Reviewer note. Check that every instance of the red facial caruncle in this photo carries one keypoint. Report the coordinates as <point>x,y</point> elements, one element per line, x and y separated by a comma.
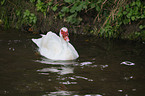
<point>65,35</point>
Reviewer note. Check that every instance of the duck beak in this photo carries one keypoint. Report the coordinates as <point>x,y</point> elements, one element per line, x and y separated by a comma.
<point>66,38</point>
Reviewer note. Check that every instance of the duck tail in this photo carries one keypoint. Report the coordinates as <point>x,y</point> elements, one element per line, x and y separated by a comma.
<point>37,41</point>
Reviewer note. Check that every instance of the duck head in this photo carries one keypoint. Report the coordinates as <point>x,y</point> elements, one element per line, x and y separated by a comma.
<point>64,33</point>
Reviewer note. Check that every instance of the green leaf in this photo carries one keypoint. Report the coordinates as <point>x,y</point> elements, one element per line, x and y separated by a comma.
<point>32,14</point>
<point>98,8</point>
<point>138,3</point>
<point>38,1</point>
<point>18,12</point>
<point>65,9</point>
<point>142,16</point>
<point>129,15</point>
<point>87,2</point>
<point>141,27</point>
<point>92,5</point>
<point>124,12</point>
<point>126,21</point>
<point>79,8</point>
<point>54,8</point>
<point>49,3</point>
<point>72,10</point>
<point>61,15</point>
<point>127,6</point>
<point>72,18</point>
<point>26,13</point>
<point>99,1</point>
<point>84,5</point>
<point>32,1</point>
<point>34,19</point>
<point>69,1</point>
<point>133,18</point>
<point>2,2</point>
<point>119,14</point>
<point>133,3</point>
<point>44,13</point>
<point>138,17</point>
<point>31,18</point>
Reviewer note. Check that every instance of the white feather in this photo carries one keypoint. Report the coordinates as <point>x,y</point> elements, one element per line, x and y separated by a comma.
<point>54,47</point>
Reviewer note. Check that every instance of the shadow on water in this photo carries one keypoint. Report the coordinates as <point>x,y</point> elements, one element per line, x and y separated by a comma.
<point>104,68</point>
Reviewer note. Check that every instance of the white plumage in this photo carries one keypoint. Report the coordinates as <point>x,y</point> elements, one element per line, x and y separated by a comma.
<point>56,48</point>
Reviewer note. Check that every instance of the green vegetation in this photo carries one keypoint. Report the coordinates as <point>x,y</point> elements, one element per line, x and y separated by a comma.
<point>104,18</point>
<point>29,18</point>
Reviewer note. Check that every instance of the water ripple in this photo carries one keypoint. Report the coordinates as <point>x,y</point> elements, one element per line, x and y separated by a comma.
<point>128,63</point>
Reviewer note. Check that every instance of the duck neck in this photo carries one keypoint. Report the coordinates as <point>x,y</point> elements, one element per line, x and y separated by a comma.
<point>64,43</point>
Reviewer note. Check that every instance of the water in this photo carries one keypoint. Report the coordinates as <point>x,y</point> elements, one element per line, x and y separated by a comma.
<point>104,68</point>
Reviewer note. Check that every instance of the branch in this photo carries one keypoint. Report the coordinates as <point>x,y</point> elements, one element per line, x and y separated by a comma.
<point>99,12</point>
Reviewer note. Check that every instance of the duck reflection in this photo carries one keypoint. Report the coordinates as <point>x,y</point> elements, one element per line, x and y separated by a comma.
<point>58,62</point>
<point>60,93</point>
<point>64,67</point>
<point>60,70</point>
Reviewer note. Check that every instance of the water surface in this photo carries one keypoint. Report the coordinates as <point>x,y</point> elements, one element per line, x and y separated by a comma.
<point>104,68</point>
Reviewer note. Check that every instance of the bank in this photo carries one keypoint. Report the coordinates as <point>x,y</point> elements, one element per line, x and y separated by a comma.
<point>122,19</point>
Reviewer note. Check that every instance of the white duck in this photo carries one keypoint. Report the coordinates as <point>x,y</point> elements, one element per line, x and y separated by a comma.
<point>54,47</point>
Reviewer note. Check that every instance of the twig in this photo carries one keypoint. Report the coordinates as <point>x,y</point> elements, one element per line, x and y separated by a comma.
<point>12,3</point>
<point>99,12</point>
<point>112,13</point>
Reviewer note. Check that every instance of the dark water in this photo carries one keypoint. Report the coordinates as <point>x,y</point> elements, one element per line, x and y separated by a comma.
<point>104,68</point>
